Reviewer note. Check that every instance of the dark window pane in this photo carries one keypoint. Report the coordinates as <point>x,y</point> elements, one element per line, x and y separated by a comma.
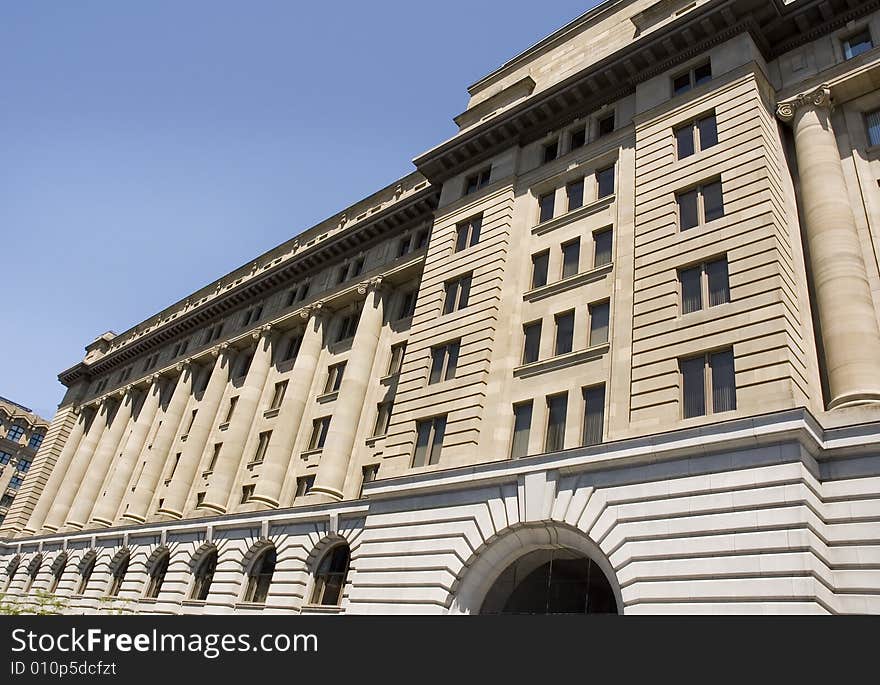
<point>873,120</point>
<point>606,126</point>
<point>476,224</point>
<point>603,240</point>
<point>605,181</point>
<point>550,151</point>
<point>532,342</point>
<point>687,210</point>
<point>546,202</point>
<point>723,381</point>
<point>451,297</point>
<point>571,255</point>
<point>691,290</point>
<point>452,359</point>
<point>702,74</point>
<point>681,84</point>
<point>712,202</point>
<point>461,238</point>
<point>464,291</point>
<point>575,193</point>
<point>438,355</point>
<point>578,138</point>
<point>693,387</point>
<point>522,422</point>
<point>708,132</point>
<point>599,314</point>
<point>684,138</point>
<point>857,44</point>
<point>540,265</point>
<point>594,415</point>
<point>719,285</point>
<point>437,442</point>
<point>556,412</point>
<point>564,332</point>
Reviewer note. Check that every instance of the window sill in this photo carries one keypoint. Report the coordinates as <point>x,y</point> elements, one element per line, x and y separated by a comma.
<point>327,397</point>
<point>249,605</point>
<point>184,437</point>
<point>223,426</point>
<point>193,602</point>
<point>340,345</point>
<point>321,609</point>
<point>573,215</point>
<point>568,283</point>
<point>253,464</point>
<point>271,413</point>
<point>207,474</point>
<point>311,453</point>
<point>560,362</point>
<point>373,439</point>
<point>389,379</point>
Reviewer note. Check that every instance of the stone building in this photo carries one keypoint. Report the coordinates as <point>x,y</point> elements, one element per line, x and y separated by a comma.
<point>21,434</point>
<point>614,346</point>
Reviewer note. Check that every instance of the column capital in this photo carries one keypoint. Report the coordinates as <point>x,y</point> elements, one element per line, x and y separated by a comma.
<point>315,309</point>
<point>265,330</point>
<point>223,349</point>
<point>378,284</point>
<point>183,365</point>
<point>818,97</point>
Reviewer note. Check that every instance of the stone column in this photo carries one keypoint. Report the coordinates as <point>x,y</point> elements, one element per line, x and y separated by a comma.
<point>287,425</point>
<point>100,462</point>
<point>847,318</point>
<point>236,435</point>
<point>56,478</point>
<point>336,455</point>
<point>106,509</point>
<point>156,454</point>
<point>78,465</point>
<point>185,473</point>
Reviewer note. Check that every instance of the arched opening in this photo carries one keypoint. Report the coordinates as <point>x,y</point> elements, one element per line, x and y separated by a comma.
<point>57,572</point>
<point>551,581</point>
<point>157,575</point>
<point>260,576</point>
<point>33,572</point>
<point>330,576</point>
<point>11,568</point>
<point>120,568</point>
<point>204,575</point>
<point>85,572</point>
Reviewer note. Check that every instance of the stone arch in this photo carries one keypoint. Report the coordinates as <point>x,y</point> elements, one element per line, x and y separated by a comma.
<point>120,557</point>
<point>254,552</point>
<point>320,555</point>
<point>88,557</point>
<point>11,570</point>
<point>199,555</point>
<point>503,549</point>
<point>154,556</point>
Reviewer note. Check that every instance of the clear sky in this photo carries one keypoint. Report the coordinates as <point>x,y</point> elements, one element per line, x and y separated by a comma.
<point>150,147</point>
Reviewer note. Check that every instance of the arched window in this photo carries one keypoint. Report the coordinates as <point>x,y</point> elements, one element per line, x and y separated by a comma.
<point>204,575</point>
<point>157,576</point>
<point>260,577</point>
<point>33,572</point>
<point>85,574</point>
<point>57,572</point>
<point>11,568</point>
<point>330,576</point>
<point>118,575</point>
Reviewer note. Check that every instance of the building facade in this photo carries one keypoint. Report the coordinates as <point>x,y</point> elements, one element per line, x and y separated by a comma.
<point>21,434</point>
<point>614,347</point>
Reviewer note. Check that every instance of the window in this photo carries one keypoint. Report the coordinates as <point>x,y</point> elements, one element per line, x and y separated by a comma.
<point>571,257</point>
<point>260,577</point>
<point>6,500</point>
<point>85,573</point>
<point>5,457</point>
<point>157,576</point>
<point>200,499</point>
<point>319,433</point>
<point>330,576</point>
<point>557,407</point>
<point>213,332</point>
<point>292,349</point>
<point>299,293</point>
<point>422,238</point>
<point>383,418</point>
<point>429,440</point>
<point>204,575</point>
<point>546,206</point>
<point>14,433</point>
<point>575,193</point>
<point>692,78</point>
<point>457,293</point>
<point>304,485</point>
<point>252,315</point>
<point>857,43</point>
<point>474,182</point>
<point>57,573</point>
<point>708,384</point>
<point>444,360</point>
<point>578,138</point>
<point>350,270</point>
<point>467,233</point>
<point>564,332</point>
<point>150,362</point>
<point>605,182</point>
<point>606,125</point>
<point>594,415</point>
<point>245,364</point>
<point>369,474</point>
<point>118,575</point>
<point>192,420</point>
<point>180,348</point>
<point>700,134</point>
<point>522,423</point>
<point>215,455</point>
<point>36,440</point>
<point>873,123</point>
<point>407,304</point>
<point>550,151</point>
<point>396,362</point>
<point>23,465</point>
<point>278,395</point>
<point>247,492</point>
<point>540,267</point>
<point>602,241</point>
<point>599,313</point>
<point>231,410</point>
<point>706,282</point>
<point>347,327</point>
<point>174,466</point>
<point>404,246</point>
<point>703,202</point>
<point>262,445</point>
<point>15,482</point>
<point>531,342</point>
<point>334,377</point>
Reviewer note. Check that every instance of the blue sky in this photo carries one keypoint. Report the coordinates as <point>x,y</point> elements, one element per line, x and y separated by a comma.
<point>149,148</point>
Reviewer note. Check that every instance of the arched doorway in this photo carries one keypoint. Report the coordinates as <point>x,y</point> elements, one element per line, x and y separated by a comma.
<point>551,581</point>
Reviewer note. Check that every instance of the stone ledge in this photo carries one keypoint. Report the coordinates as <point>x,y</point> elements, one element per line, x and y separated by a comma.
<point>573,215</point>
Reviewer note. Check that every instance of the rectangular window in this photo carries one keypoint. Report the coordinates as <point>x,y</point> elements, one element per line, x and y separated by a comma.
<point>578,138</point>
<point>476,181</point>
<point>606,125</point>
<point>571,258</point>
<point>232,402</point>
<point>707,131</point>
<point>36,440</point>
<point>444,360</point>
<point>407,305</point>
<point>700,205</point>
<point>691,289</point>
<point>23,465</point>
<point>692,78</point>
<point>700,134</point>
<point>557,408</point>
<point>370,473</point>
<point>245,364</point>
<point>247,492</point>
<point>599,314</point>
<point>708,384</point>
<point>564,332</point>
<point>396,358</point>
<point>215,455</point>
<point>262,445</point>
<point>605,182</point>
<point>383,418</point>
<point>174,465</point>
<point>15,482</point>
<point>531,342</point>
<point>292,349</point>
<point>5,457</point>
<point>857,43</point>
<point>192,420</point>
<point>718,282</point>
<point>575,193</point>
<point>278,395</point>
<point>347,327</point>
<point>707,282</point>
<point>429,440</point>
<point>457,294</point>
<point>546,206</point>
<point>404,245</point>
<point>872,120</point>
<point>550,150</point>
<point>319,433</point>
<point>594,415</point>
<point>602,241</point>
<point>540,267</point>
<point>684,141</point>
<point>467,233</point>
<point>522,424</point>
<point>334,377</point>
<point>357,268</point>
<point>713,204</point>
<point>304,484</point>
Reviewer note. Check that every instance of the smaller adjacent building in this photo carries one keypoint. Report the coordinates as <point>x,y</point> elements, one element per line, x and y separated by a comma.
<point>21,434</point>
